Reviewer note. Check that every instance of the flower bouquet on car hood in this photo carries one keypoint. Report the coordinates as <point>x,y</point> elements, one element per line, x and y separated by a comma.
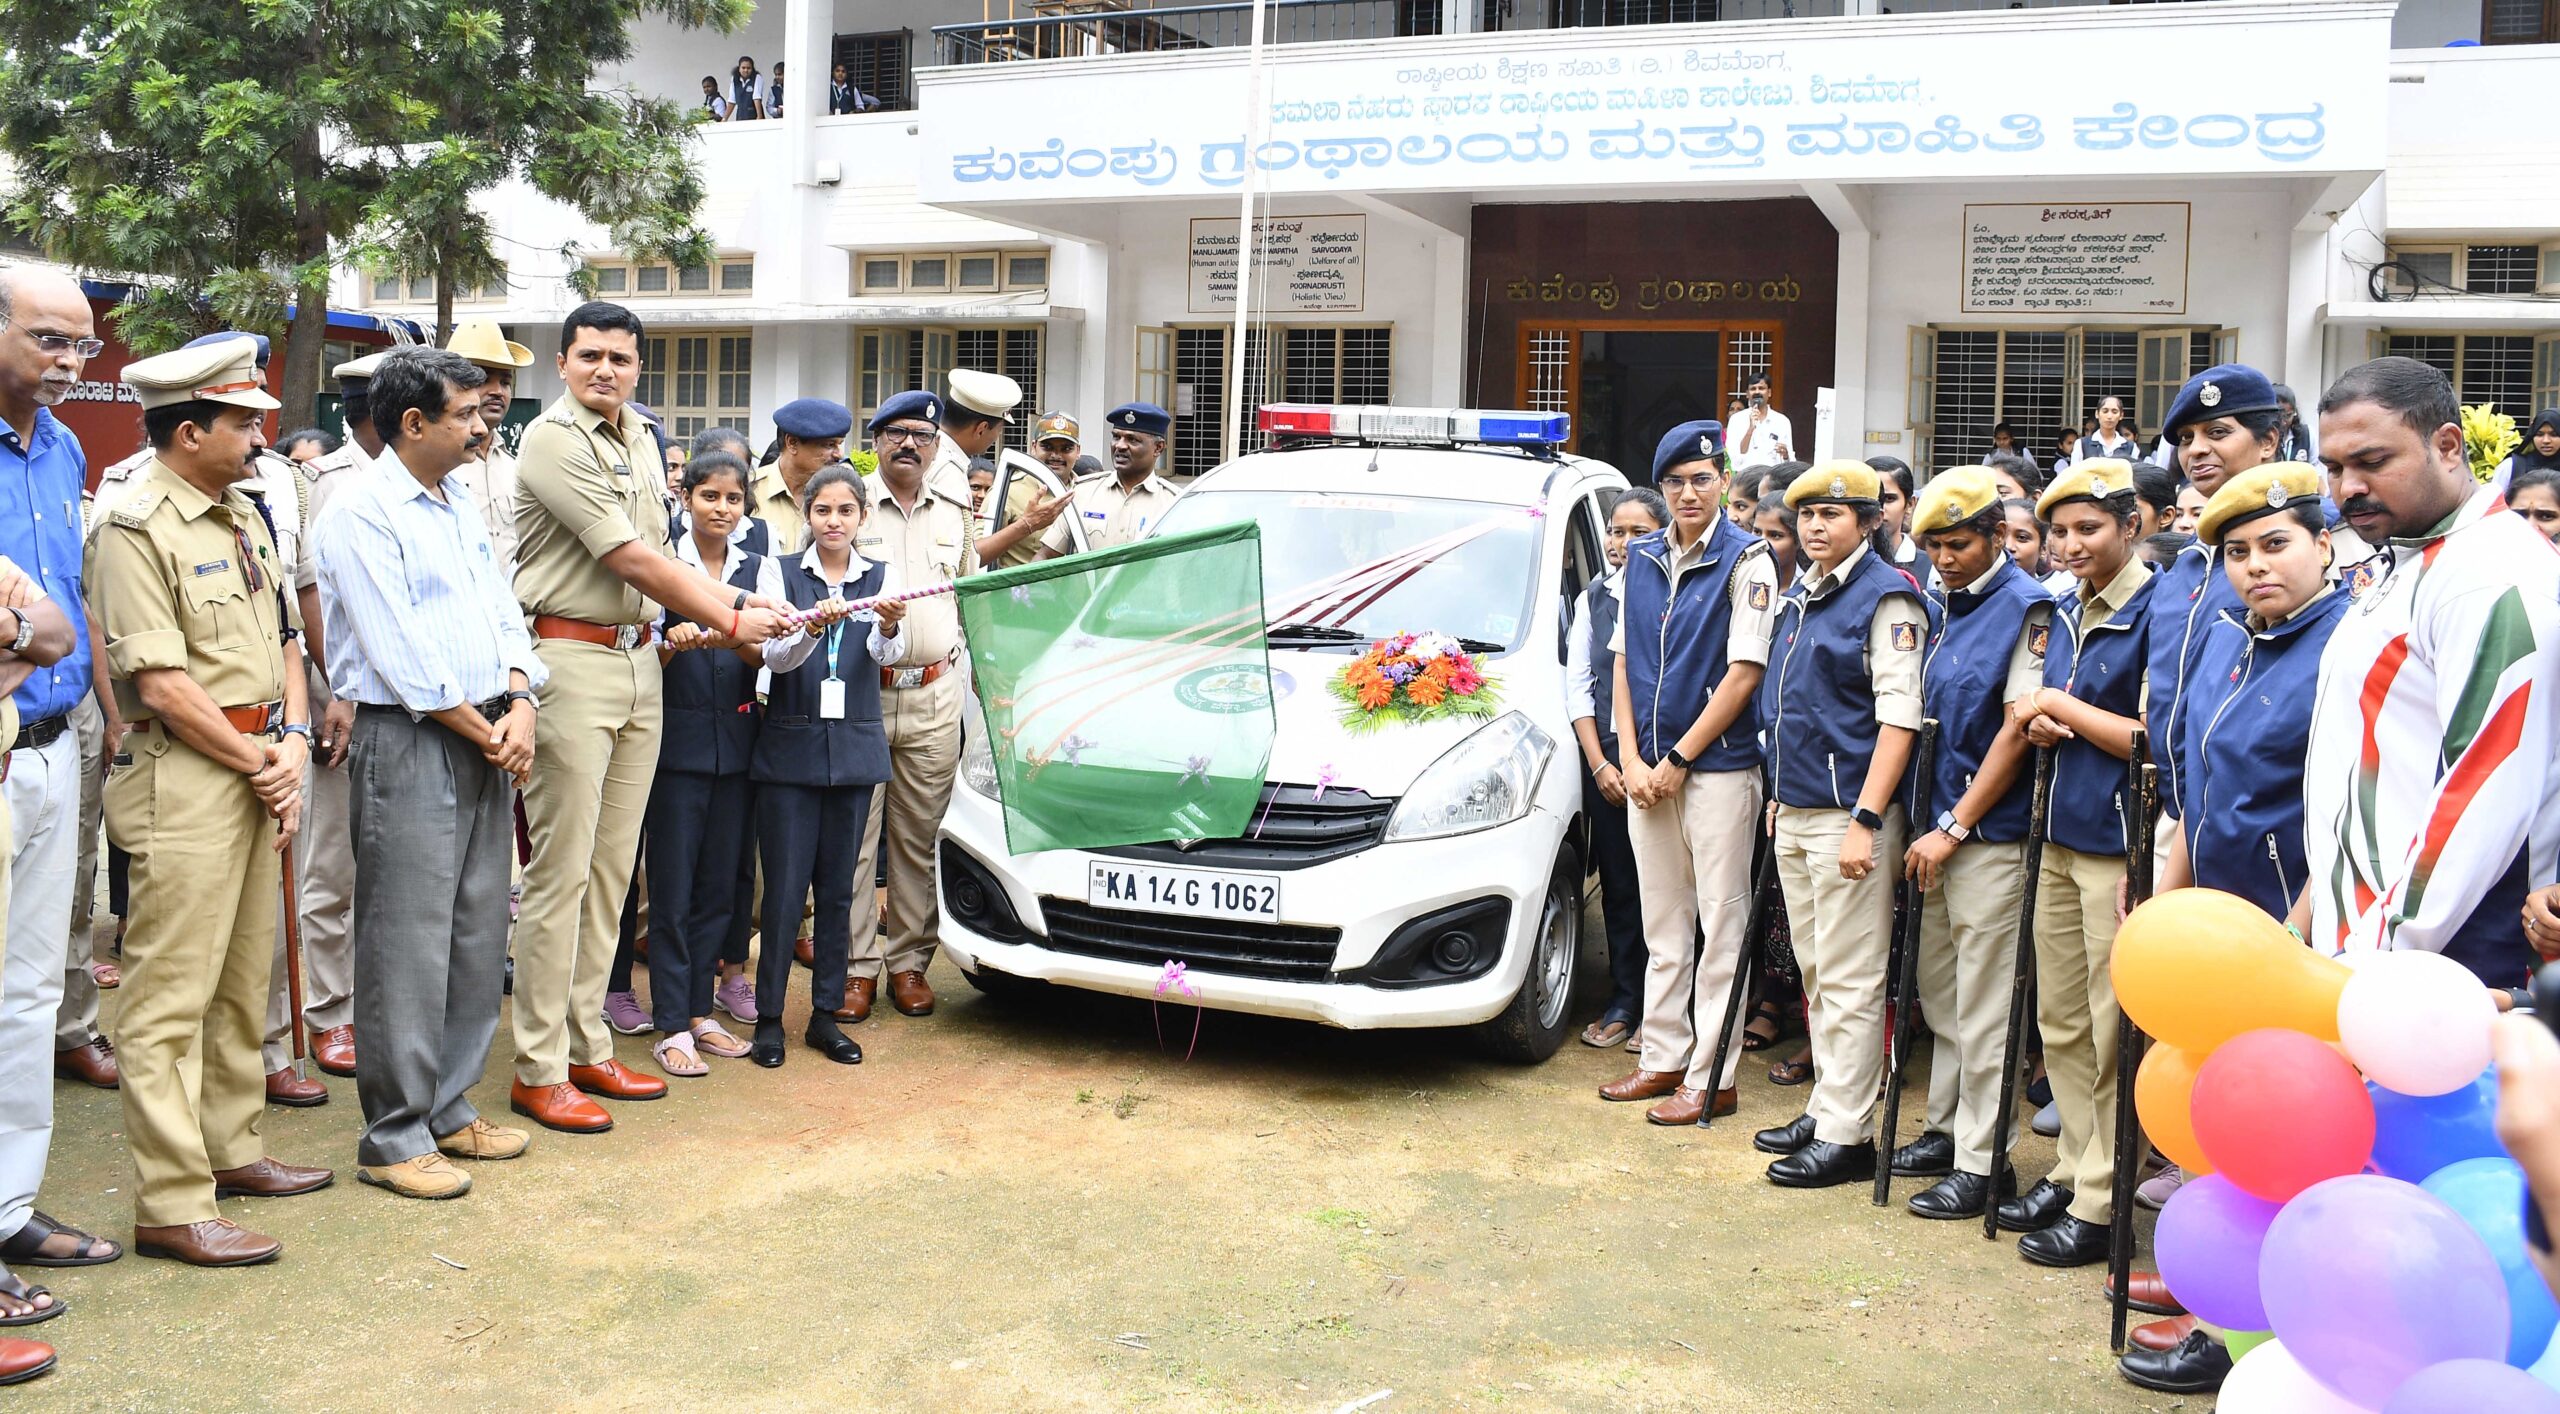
<point>1410,677</point>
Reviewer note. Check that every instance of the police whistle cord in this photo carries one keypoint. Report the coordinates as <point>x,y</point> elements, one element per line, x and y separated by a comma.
<point>1903,999</point>
<point>2022,991</point>
<point>2143,780</point>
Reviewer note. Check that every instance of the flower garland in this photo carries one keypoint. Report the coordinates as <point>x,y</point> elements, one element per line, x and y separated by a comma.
<point>1412,678</point>
<point>2488,435</point>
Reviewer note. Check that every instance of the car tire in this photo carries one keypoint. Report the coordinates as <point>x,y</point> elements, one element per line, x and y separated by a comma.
<point>1004,986</point>
<point>1531,1028</point>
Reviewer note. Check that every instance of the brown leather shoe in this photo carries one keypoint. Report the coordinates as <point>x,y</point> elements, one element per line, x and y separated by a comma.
<point>1687,1103</point>
<point>1643,1085</point>
<point>92,1064</point>
<point>616,1081</point>
<point>286,1087</point>
<point>335,1050</point>
<point>558,1107</point>
<point>2161,1335</point>
<point>218,1243</point>
<point>2146,1293</point>
<point>269,1179</point>
<point>23,1360</point>
<point>804,951</point>
<point>909,994</point>
<point>859,994</point>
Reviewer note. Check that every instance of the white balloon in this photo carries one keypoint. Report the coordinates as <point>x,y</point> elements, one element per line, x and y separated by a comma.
<point>2416,1022</point>
<point>2268,1380</point>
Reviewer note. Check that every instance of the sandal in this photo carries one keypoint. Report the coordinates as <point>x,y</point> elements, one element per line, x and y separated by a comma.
<point>15,1288</point>
<point>1792,1072</point>
<point>1607,1031</point>
<point>715,1038</point>
<point>676,1057</point>
<point>1754,1039</point>
<point>107,975</point>
<point>25,1247</point>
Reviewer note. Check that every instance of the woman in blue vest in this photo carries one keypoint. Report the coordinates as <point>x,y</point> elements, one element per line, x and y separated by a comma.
<point>1699,600</point>
<point>1590,677</point>
<point>1971,863</point>
<point>817,758</point>
<point>1843,700</point>
<point>2086,712</point>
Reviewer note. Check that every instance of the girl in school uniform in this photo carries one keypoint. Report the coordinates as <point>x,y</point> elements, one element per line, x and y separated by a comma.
<point>1590,679</point>
<point>817,758</point>
<point>2086,712</point>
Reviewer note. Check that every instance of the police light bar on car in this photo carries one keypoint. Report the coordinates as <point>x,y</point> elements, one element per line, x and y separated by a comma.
<point>1420,427</point>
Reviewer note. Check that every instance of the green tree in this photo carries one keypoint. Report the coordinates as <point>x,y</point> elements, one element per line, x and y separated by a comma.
<point>229,155</point>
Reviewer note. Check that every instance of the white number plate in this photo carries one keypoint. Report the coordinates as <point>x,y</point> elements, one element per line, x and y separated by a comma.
<point>1252,898</point>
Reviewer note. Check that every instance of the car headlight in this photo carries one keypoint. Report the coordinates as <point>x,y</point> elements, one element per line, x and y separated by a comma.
<point>1486,780</point>
<point>978,764</point>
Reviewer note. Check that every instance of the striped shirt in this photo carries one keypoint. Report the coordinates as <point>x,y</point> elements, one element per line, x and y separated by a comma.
<point>418,607</point>
<point>2430,786</point>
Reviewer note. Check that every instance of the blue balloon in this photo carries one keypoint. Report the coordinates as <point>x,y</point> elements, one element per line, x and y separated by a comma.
<point>2488,1195</point>
<point>2547,1369</point>
<point>2416,1135</point>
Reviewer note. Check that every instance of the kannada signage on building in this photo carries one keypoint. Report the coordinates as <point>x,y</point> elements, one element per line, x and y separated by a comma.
<point>2118,257</point>
<point>1301,264</point>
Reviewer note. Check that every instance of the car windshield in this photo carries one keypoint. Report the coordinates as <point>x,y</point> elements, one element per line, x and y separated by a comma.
<point>1361,567</point>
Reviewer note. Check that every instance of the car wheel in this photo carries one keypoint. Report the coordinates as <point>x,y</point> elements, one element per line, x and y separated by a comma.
<point>1533,1026</point>
<point>1004,986</point>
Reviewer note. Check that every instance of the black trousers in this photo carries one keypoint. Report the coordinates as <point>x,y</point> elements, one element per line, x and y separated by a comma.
<point>742,910</point>
<point>697,825</point>
<point>810,838</point>
<point>1621,911</point>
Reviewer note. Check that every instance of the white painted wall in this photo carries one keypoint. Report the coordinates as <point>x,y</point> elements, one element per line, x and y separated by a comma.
<point>2472,150</point>
<point>2426,24</point>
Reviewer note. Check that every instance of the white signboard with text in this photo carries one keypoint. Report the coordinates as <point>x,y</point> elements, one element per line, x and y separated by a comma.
<point>1302,264</point>
<point>2089,257</point>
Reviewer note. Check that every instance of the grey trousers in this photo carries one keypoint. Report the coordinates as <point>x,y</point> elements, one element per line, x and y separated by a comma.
<point>434,838</point>
<point>75,1021</point>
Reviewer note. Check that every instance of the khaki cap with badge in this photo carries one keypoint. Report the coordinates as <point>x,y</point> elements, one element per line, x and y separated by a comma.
<point>1056,427</point>
<point>359,370</point>
<point>2099,479</point>
<point>224,372</point>
<point>1845,483</point>
<point>1953,497</point>
<point>484,343</point>
<point>2259,491</point>
<point>991,394</point>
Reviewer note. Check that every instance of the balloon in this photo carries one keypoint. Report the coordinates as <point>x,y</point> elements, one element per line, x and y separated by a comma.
<point>2369,1280</point>
<point>2473,1387</point>
<point>2278,1112</point>
<point>2240,1343</point>
<point>2162,1092</point>
<point>2547,1369</point>
<point>2196,967</point>
<point>2413,1136</point>
<point>2207,1246</point>
<point>2271,1381</point>
<point>2488,1194</point>
<point>2416,1022</point>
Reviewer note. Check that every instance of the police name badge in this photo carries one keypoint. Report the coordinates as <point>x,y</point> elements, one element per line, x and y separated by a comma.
<point>212,567</point>
<point>831,699</point>
<point>1906,638</point>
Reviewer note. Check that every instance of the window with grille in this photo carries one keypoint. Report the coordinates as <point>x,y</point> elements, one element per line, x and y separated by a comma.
<point>400,287</point>
<point>2502,269</point>
<point>876,64</point>
<point>1575,13</point>
<point>1317,365</point>
<point>2041,380</point>
<point>889,361</point>
<point>2519,21</point>
<point>1746,356</point>
<point>733,275</point>
<point>1548,384</point>
<point>1015,353</point>
<point>2485,368</point>
<point>694,381</point>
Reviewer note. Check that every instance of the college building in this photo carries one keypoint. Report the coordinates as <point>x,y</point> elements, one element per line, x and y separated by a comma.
<point>1917,218</point>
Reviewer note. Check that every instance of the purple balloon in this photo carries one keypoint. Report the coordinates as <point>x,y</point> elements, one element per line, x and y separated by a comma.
<point>2368,1280</point>
<point>2415,1135</point>
<point>2207,1244</point>
<point>2473,1387</point>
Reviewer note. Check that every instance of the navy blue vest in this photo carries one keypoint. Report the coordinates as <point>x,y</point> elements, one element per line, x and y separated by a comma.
<point>1676,640</point>
<point>2089,810</point>
<point>1821,695</point>
<point>1600,620</point>
<point>797,746</point>
<point>1967,673</point>
<point>2193,592</point>
<point>711,699</point>
<point>2240,748</point>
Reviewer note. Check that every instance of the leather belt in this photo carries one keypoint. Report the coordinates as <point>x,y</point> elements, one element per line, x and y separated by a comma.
<point>620,636</point>
<point>915,677</point>
<point>41,734</point>
<point>260,720</point>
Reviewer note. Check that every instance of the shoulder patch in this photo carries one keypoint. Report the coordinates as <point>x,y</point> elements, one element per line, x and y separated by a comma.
<point>2038,635</point>
<point>1906,638</point>
<point>1759,596</point>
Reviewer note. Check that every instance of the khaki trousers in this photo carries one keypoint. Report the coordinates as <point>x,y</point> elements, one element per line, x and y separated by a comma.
<point>595,753</point>
<point>1968,965</point>
<point>2076,1010</point>
<point>197,950</point>
<point>1693,875</point>
<point>324,870</point>
<point>923,724</point>
<point>1843,934</point>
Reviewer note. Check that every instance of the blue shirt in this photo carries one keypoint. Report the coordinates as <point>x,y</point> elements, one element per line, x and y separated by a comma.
<point>40,488</point>
<point>418,609</point>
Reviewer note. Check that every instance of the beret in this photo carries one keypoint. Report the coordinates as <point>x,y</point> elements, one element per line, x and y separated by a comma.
<point>914,403</point>
<point>2097,479</point>
<point>812,419</point>
<point>1953,497</point>
<point>1837,483</point>
<point>1702,440</point>
<point>2219,391</point>
<point>2259,491</point>
<point>1142,417</point>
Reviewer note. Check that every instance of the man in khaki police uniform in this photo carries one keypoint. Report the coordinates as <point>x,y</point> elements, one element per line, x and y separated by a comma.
<point>593,565</point>
<point>1034,498</point>
<point>812,432</point>
<point>925,534</point>
<point>1119,507</point>
<point>492,478</point>
<point>184,576</point>
<point>974,418</point>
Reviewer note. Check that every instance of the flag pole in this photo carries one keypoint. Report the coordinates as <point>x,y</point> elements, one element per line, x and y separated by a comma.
<point>1256,116</point>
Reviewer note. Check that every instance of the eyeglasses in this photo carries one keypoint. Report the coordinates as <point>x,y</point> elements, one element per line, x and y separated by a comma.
<point>912,436</point>
<point>1674,485</point>
<point>64,343</point>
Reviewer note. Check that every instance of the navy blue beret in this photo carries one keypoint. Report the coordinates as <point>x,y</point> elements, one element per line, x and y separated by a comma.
<point>914,403</point>
<point>812,419</point>
<point>1142,417</point>
<point>1702,440</point>
<point>2219,391</point>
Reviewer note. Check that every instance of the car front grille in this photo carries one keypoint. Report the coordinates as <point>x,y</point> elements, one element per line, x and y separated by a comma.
<point>1278,951</point>
<point>1291,829</point>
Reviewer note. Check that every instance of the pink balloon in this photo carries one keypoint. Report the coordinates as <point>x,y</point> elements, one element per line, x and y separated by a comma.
<point>2271,1381</point>
<point>2278,1111</point>
<point>2416,1022</point>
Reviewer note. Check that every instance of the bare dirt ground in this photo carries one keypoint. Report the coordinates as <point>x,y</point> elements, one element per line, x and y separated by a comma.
<point>1044,1210</point>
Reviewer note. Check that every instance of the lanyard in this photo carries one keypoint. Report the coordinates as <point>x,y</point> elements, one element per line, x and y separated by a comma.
<point>835,637</point>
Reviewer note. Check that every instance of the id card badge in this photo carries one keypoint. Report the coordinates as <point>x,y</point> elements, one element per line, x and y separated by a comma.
<point>831,699</point>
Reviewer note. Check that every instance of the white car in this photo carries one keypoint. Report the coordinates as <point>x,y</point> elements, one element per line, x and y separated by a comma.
<point>1424,875</point>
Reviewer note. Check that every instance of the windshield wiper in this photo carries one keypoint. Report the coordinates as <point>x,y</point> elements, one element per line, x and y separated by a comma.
<point>1478,645</point>
<point>1319,633</point>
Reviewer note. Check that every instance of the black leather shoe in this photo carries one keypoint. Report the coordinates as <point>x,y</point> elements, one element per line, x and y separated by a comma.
<point>767,1050</point>
<point>1925,1157</point>
<point>1787,1139</point>
<point>1958,1195</point>
<point>826,1040</point>
<point>2195,1365</point>
<point>1823,1165</point>
<point>2068,1243</point>
<point>2037,1209</point>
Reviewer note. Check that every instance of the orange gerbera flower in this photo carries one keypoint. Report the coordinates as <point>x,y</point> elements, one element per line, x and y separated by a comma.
<point>1426,691</point>
<point>1375,692</point>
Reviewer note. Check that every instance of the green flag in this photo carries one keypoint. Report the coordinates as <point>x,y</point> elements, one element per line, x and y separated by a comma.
<point>1126,692</point>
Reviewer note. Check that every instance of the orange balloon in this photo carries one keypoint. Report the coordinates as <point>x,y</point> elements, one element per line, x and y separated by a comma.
<point>2161,1090</point>
<point>2196,967</point>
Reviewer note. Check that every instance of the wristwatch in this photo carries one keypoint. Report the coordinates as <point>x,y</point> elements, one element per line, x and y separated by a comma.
<point>300,729</point>
<point>1947,826</point>
<point>517,694</point>
<point>1867,817</point>
<point>739,603</point>
<point>1672,755</point>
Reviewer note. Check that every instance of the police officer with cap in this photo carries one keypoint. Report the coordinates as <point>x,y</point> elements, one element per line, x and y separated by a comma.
<point>492,478</point>
<point>200,642</point>
<point>974,418</point>
<point>1119,507</point>
<point>1032,497</point>
<point>813,432</point>
<point>1055,439</point>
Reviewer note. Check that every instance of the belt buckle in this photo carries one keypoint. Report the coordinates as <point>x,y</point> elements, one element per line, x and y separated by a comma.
<point>626,636</point>
<point>274,720</point>
<point>906,677</point>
